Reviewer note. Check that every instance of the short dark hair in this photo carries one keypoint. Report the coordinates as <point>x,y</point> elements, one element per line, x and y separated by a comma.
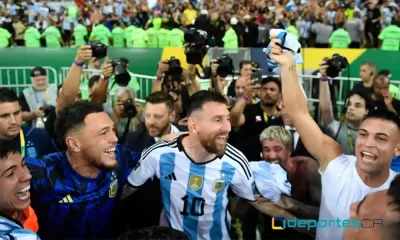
<point>198,99</point>
<point>93,80</point>
<point>362,94</point>
<point>277,81</point>
<point>161,97</point>
<point>154,233</point>
<point>244,62</point>
<point>73,116</point>
<point>7,148</point>
<point>384,115</point>
<point>7,95</point>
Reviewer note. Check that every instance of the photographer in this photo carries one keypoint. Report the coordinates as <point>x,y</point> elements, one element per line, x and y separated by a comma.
<point>36,98</point>
<point>127,113</point>
<point>180,85</point>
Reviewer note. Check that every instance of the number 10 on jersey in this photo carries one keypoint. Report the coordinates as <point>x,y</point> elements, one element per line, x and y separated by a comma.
<point>197,206</point>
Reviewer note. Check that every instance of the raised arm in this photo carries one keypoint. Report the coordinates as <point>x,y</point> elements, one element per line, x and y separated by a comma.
<point>321,147</point>
<point>325,103</point>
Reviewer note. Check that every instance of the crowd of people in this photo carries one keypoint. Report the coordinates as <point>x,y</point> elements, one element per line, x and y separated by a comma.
<point>161,23</point>
<point>185,166</point>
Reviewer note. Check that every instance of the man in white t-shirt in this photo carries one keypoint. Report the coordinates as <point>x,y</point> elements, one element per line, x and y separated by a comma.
<point>345,179</point>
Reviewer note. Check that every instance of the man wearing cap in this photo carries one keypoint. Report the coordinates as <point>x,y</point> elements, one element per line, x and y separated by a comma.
<point>37,98</point>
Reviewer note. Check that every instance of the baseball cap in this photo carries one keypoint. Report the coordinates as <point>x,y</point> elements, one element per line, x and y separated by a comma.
<point>38,71</point>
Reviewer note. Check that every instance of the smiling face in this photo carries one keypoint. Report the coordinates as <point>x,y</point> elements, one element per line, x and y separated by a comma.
<point>377,142</point>
<point>212,126</point>
<point>14,184</point>
<point>96,141</point>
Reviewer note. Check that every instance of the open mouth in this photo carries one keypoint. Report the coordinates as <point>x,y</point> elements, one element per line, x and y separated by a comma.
<point>24,194</point>
<point>221,139</point>
<point>110,152</point>
<point>368,157</point>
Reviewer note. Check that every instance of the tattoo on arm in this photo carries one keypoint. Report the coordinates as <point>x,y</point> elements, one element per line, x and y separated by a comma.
<point>304,211</point>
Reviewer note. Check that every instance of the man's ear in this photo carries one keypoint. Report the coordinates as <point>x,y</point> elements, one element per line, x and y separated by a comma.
<point>73,144</point>
<point>397,151</point>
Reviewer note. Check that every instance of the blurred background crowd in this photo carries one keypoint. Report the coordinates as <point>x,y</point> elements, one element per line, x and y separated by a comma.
<point>358,23</point>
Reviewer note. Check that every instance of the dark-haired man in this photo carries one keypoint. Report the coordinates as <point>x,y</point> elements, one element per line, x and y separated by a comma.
<point>196,171</point>
<point>383,99</point>
<point>32,142</point>
<point>159,116</point>
<point>345,179</point>
<point>382,208</point>
<point>74,193</point>
<point>358,104</point>
<point>17,219</point>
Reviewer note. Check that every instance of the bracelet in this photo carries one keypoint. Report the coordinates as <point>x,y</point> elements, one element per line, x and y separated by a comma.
<point>324,79</point>
<point>245,98</point>
<point>102,76</point>
<point>78,63</point>
<point>159,78</point>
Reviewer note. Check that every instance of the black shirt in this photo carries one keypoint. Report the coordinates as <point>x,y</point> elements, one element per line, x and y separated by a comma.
<point>380,105</point>
<point>249,142</point>
<point>361,87</point>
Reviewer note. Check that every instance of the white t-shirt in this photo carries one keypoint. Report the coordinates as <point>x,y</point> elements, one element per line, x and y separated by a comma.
<point>342,186</point>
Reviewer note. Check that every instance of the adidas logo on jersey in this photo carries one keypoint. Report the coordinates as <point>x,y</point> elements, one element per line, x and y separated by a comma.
<point>66,199</point>
<point>171,176</point>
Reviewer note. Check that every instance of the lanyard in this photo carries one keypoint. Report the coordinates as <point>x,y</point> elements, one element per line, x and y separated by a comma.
<point>266,116</point>
<point>22,141</point>
<point>350,140</point>
<point>47,97</point>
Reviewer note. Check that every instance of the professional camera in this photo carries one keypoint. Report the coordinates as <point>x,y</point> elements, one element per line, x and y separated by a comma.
<point>225,66</point>
<point>335,65</point>
<point>129,109</point>
<point>122,76</point>
<point>99,50</point>
<point>47,109</point>
<point>195,45</point>
<point>175,68</point>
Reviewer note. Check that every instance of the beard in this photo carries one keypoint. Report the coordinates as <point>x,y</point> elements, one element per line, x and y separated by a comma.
<point>157,131</point>
<point>100,161</point>
<point>210,145</point>
<point>269,102</point>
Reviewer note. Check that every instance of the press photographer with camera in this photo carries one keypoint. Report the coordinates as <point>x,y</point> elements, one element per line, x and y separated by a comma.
<point>179,83</point>
<point>357,107</point>
<point>37,99</point>
<point>127,115</point>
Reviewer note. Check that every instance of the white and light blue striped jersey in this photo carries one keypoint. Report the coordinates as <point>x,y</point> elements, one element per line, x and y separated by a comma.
<point>195,195</point>
<point>10,230</point>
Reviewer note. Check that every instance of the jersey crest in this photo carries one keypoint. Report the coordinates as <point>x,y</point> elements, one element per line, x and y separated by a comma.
<point>195,182</point>
<point>112,191</point>
<point>218,185</point>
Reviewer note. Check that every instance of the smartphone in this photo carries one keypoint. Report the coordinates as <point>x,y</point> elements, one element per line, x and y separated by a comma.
<point>256,73</point>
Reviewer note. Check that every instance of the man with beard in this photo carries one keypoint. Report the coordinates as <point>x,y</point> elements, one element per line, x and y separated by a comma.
<point>146,202</point>
<point>252,120</point>
<point>74,193</point>
<point>197,169</point>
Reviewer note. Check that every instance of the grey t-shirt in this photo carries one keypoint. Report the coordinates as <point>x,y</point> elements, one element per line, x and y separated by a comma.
<point>344,135</point>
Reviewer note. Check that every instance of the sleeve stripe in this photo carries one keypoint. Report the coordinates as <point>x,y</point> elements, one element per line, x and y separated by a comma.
<point>158,145</point>
<point>243,157</point>
<point>240,163</point>
<point>154,146</point>
<point>237,157</point>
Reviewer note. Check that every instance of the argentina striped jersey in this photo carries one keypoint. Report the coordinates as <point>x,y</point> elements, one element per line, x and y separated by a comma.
<point>11,230</point>
<point>195,194</point>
